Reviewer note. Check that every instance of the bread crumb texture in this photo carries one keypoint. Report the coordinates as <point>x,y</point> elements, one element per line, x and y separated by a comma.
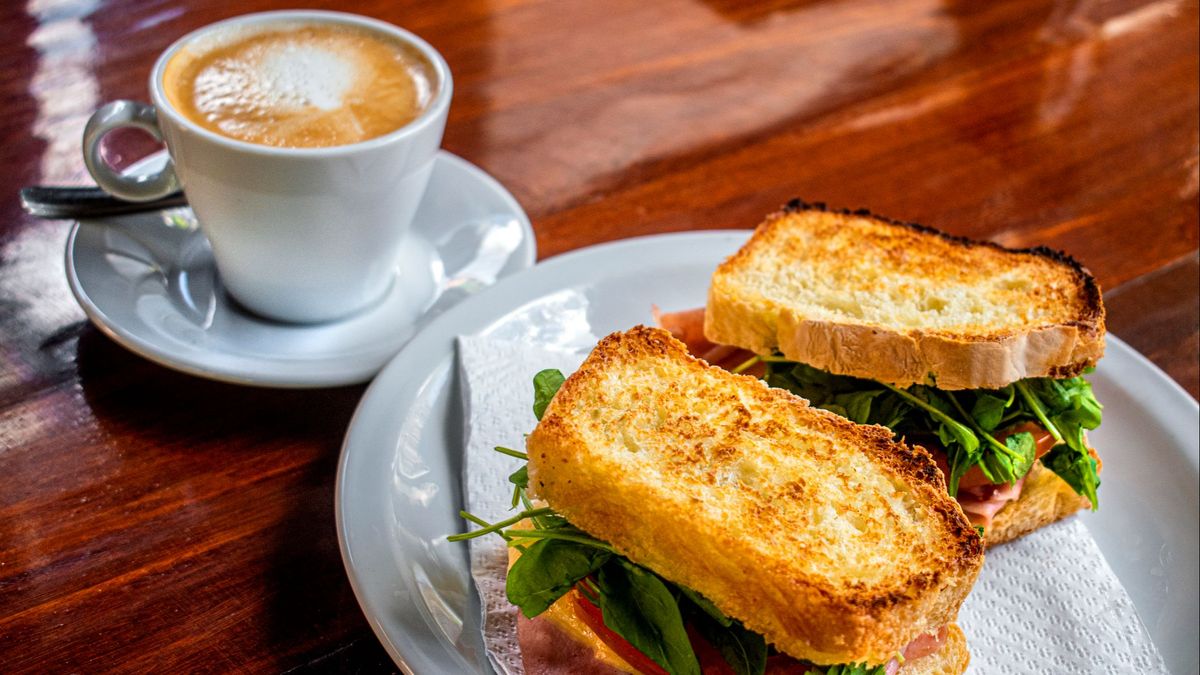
<point>832,540</point>
<point>856,293</point>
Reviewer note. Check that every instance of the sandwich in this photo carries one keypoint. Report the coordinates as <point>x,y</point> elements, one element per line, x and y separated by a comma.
<point>679,518</point>
<point>973,351</point>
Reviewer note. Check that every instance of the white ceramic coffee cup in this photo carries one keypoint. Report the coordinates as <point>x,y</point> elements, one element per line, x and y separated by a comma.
<point>298,234</point>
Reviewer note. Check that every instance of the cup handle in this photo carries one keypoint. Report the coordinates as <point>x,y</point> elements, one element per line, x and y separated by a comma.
<point>128,187</point>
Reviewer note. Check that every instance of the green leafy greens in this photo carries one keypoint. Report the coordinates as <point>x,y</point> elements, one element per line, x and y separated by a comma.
<point>966,422</point>
<point>648,611</point>
<point>548,569</point>
<point>639,606</point>
<point>545,386</point>
<point>856,669</point>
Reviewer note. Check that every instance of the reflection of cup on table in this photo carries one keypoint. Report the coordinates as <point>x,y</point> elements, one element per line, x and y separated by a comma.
<point>303,140</point>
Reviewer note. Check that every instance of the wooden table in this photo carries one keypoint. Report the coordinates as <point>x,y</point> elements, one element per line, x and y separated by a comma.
<point>154,521</point>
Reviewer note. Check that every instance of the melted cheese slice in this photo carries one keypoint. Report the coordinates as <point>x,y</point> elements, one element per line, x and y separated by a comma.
<point>563,617</point>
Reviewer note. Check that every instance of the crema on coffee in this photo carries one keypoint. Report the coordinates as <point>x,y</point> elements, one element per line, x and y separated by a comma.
<point>304,85</point>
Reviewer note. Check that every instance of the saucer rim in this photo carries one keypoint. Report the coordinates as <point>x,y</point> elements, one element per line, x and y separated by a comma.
<point>525,257</point>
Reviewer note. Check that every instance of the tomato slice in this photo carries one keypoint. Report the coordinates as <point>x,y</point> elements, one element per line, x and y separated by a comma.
<point>782,664</point>
<point>592,616</point>
<point>974,476</point>
<point>711,661</point>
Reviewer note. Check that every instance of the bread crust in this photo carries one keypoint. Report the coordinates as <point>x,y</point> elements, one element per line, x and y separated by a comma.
<point>736,543</point>
<point>976,359</point>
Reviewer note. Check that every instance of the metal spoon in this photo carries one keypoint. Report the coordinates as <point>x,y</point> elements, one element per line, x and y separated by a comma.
<point>46,201</point>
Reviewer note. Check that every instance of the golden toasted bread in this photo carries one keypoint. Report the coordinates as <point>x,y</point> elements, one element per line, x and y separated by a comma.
<point>833,541</point>
<point>856,294</point>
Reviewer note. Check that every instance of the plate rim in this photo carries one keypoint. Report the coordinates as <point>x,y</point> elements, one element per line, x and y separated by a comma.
<point>281,376</point>
<point>442,330</point>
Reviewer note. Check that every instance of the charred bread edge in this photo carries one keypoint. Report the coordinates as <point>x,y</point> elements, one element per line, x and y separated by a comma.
<point>943,587</point>
<point>1085,339</point>
<point>1093,310</point>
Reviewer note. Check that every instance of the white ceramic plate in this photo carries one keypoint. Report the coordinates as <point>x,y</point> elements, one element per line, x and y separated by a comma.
<point>398,489</point>
<point>149,282</point>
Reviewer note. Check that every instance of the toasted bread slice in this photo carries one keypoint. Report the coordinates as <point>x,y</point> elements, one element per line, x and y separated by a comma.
<point>833,541</point>
<point>856,294</point>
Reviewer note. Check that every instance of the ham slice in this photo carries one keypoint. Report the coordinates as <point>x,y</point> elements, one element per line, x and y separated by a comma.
<point>548,649</point>
<point>924,645</point>
<point>688,327</point>
<point>982,502</point>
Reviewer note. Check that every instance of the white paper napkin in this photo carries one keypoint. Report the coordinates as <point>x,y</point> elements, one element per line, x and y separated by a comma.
<point>1046,603</point>
<point>1049,603</point>
<point>497,379</point>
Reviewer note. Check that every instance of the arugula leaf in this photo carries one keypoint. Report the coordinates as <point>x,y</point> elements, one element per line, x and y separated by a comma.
<point>1082,398</point>
<point>815,378</point>
<point>997,467</point>
<point>1073,422</point>
<point>1079,471</point>
<point>859,400</point>
<point>1067,408</point>
<point>545,385</point>
<point>857,404</point>
<point>989,410</point>
<point>855,669</point>
<point>705,605</point>
<point>745,651</point>
<point>520,481</point>
<point>960,442</point>
<point>1052,396</point>
<point>639,607</point>
<point>1035,405</point>
<point>835,409</point>
<point>891,412</point>
<point>547,570</point>
<point>1024,451</point>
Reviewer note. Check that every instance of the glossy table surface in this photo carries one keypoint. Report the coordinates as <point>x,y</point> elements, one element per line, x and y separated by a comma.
<point>154,521</point>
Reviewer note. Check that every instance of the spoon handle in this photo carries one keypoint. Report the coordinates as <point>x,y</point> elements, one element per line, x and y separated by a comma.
<point>46,201</point>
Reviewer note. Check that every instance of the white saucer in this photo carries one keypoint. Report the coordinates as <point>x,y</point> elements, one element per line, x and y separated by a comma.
<point>149,282</point>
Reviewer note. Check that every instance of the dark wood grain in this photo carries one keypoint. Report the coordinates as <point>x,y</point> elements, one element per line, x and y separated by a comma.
<point>1157,315</point>
<point>154,521</point>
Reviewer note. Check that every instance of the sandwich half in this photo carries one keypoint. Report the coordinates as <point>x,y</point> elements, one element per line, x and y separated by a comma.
<point>706,522</point>
<point>972,350</point>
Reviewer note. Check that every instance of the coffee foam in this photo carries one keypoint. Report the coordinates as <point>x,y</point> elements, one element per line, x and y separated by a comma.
<point>300,86</point>
<point>296,75</point>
